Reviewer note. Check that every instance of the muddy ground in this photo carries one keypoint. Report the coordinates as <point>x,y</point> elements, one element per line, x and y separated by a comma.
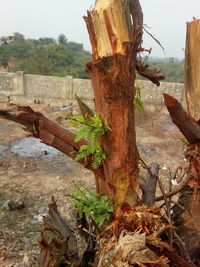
<point>32,172</point>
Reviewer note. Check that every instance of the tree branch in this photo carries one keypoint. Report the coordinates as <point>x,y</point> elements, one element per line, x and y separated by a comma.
<point>188,126</point>
<point>176,189</point>
<point>49,132</point>
<point>151,74</point>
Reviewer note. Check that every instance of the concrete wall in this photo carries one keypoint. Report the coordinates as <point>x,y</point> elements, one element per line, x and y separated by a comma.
<point>11,83</point>
<point>152,95</point>
<point>48,88</point>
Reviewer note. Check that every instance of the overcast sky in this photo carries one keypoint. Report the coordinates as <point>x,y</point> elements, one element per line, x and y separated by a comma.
<point>40,18</point>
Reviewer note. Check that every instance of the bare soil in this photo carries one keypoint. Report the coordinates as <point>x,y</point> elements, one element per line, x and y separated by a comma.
<point>33,172</point>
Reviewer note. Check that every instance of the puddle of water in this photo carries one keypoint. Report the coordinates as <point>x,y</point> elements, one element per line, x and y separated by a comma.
<point>2,150</point>
<point>169,125</point>
<point>147,150</point>
<point>31,147</point>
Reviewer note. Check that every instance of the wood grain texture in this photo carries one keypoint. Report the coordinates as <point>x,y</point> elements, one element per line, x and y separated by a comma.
<point>192,68</point>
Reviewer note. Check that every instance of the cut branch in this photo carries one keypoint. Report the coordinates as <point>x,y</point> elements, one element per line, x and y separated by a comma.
<point>188,126</point>
<point>176,189</point>
<point>49,132</point>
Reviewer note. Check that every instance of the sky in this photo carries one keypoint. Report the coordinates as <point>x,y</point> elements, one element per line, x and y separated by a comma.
<point>49,18</point>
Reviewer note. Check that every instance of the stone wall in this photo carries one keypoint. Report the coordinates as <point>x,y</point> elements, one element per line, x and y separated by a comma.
<point>48,88</point>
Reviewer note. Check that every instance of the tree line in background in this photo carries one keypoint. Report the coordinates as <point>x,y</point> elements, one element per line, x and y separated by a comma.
<point>47,56</point>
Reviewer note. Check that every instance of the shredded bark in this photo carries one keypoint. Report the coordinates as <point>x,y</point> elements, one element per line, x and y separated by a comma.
<point>58,243</point>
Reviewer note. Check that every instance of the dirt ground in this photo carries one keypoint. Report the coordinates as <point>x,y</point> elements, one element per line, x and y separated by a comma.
<point>31,172</point>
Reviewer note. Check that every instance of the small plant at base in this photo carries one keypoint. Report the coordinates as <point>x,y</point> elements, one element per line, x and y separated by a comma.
<point>93,130</point>
<point>138,99</point>
<point>98,208</point>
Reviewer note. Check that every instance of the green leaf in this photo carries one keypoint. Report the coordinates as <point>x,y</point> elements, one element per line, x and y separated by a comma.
<point>87,202</point>
<point>81,134</point>
<point>92,130</point>
<point>138,101</point>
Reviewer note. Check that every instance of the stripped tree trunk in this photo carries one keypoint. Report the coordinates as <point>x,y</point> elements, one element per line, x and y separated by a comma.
<point>115,29</point>
<point>192,68</point>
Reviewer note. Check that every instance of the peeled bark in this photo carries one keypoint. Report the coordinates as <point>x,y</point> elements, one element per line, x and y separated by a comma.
<point>41,127</point>
<point>192,68</point>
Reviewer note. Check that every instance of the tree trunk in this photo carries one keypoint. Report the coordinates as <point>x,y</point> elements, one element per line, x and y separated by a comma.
<point>115,29</point>
<point>192,68</point>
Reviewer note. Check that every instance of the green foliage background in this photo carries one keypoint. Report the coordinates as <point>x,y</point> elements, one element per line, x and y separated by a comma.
<point>46,56</point>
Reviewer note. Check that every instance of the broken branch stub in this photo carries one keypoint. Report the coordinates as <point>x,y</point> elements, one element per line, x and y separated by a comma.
<point>188,126</point>
<point>149,185</point>
<point>111,25</point>
<point>46,130</point>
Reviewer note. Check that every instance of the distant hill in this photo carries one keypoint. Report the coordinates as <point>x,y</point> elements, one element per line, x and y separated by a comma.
<point>45,56</point>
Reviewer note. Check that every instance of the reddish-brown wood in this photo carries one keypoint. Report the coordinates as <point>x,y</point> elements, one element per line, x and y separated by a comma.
<point>188,126</point>
<point>151,74</point>
<point>49,132</point>
<point>114,102</point>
